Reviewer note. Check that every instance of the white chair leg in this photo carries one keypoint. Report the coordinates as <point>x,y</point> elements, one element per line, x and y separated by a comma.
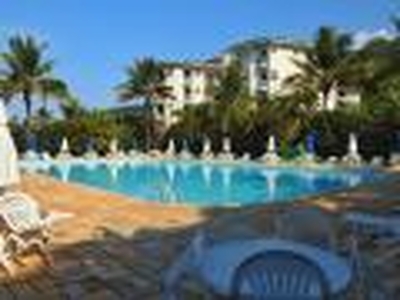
<point>5,256</point>
<point>42,248</point>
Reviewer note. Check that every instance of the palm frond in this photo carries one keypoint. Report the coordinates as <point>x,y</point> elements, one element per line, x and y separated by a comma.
<point>28,72</point>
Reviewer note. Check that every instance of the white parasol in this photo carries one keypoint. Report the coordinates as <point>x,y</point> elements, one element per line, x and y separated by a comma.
<point>9,171</point>
<point>271,148</point>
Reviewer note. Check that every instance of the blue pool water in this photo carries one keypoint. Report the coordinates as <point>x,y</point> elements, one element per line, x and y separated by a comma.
<point>209,184</point>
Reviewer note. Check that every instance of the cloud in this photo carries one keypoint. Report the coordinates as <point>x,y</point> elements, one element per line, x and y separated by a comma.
<point>362,37</point>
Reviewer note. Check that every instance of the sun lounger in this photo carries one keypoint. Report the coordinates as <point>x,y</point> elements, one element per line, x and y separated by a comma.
<point>25,226</point>
<point>183,266</point>
<point>385,232</point>
<point>378,226</point>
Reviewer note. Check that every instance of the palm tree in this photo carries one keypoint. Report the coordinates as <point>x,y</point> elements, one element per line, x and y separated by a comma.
<point>230,84</point>
<point>27,73</point>
<point>145,79</point>
<point>324,69</point>
<point>53,89</point>
<point>230,87</point>
<point>6,90</point>
<point>375,70</point>
<point>72,109</point>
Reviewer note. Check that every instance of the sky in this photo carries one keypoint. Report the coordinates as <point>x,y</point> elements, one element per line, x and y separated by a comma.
<point>92,41</point>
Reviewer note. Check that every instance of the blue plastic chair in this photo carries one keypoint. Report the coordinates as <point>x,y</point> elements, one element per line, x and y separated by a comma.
<point>279,275</point>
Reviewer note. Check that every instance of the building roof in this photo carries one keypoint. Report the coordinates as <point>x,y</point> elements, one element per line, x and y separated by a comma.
<point>195,65</point>
<point>265,42</point>
<point>245,46</point>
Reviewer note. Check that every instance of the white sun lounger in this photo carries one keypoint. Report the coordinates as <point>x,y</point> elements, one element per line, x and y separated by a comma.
<point>381,226</point>
<point>385,231</point>
<point>25,226</point>
<point>182,266</point>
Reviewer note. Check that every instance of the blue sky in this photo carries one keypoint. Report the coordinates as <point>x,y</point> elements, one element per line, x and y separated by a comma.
<point>93,40</point>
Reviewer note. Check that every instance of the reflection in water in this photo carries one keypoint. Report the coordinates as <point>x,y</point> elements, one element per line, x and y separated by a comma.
<point>309,177</point>
<point>271,177</point>
<point>90,165</point>
<point>65,170</point>
<point>206,171</point>
<point>171,172</point>
<point>226,173</point>
<point>207,183</point>
<point>171,189</point>
<point>113,170</point>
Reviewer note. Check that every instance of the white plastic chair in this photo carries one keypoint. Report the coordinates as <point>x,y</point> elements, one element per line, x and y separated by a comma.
<point>279,275</point>
<point>25,227</point>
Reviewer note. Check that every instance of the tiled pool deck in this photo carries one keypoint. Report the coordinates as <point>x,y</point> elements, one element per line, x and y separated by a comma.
<point>116,248</point>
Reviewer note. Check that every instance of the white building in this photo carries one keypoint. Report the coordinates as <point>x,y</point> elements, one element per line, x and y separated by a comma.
<point>188,83</point>
<point>267,65</point>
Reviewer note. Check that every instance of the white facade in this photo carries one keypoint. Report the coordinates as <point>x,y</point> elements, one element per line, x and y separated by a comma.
<point>267,68</point>
<point>188,84</point>
<point>282,66</point>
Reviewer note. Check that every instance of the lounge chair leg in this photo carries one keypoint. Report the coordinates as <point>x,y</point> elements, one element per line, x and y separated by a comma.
<point>19,261</point>
<point>8,267</point>
<point>45,254</point>
<point>5,255</point>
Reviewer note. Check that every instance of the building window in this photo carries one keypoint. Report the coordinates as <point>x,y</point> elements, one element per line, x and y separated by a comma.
<point>262,58</point>
<point>160,110</point>
<point>341,92</point>
<point>263,75</point>
<point>263,53</point>
<point>187,91</point>
<point>186,73</point>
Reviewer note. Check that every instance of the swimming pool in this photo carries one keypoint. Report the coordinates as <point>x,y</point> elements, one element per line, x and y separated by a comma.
<point>209,184</point>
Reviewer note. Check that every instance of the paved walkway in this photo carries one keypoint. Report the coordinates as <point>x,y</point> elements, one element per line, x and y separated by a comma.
<point>116,248</point>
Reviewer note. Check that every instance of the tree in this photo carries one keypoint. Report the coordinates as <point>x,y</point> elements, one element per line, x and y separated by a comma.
<point>376,70</point>
<point>6,90</point>
<point>72,109</point>
<point>230,87</point>
<point>324,69</point>
<point>25,72</point>
<point>194,120</point>
<point>145,79</point>
<point>230,84</point>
